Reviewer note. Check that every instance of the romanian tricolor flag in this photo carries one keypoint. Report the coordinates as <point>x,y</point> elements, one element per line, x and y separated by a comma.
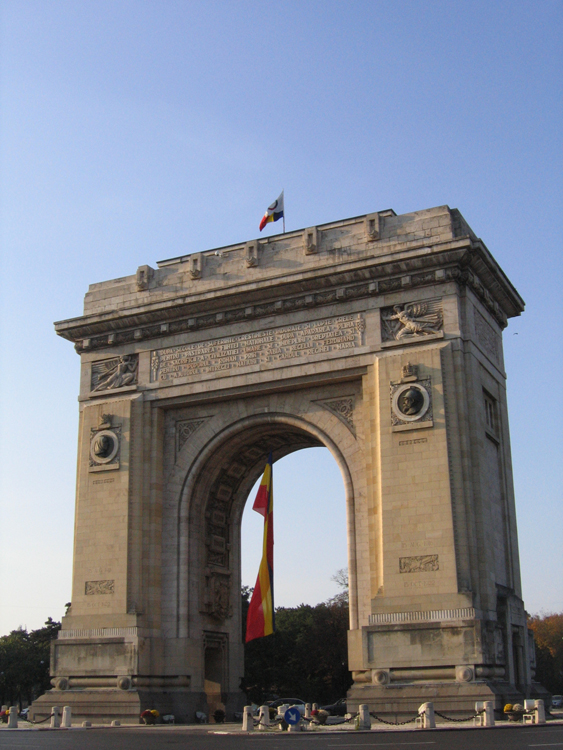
<point>260,617</point>
<point>274,212</point>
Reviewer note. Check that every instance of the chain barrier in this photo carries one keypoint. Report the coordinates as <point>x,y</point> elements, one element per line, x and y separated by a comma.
<point>393,723</point>
<point>314,720</point>
<point>42,720</point>
<point>449,718</point>
<point>311,719</point>
<point>272,725</point>
<point>352,718</point>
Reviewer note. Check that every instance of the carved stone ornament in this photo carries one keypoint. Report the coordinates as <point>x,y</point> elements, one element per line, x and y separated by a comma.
<point>220,598</point>
<point>419,564</point>
<point>185,429</point>
<point>217,596</point>
<point>409,372</point>
<point>380,676</point>
<point>111,374</point>
<point>343,408</point>
<point>487,338</point>
<point>411,321</point>
<point>95,588</point>
<point>104,447</point>
<point>464,674</point>
<point>411,402</point>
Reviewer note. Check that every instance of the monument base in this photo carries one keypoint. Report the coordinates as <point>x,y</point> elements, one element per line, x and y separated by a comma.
<point>400,702</point>
<point>104,705</point>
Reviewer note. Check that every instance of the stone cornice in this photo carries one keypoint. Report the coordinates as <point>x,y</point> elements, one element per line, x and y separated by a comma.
<point>464,260</point>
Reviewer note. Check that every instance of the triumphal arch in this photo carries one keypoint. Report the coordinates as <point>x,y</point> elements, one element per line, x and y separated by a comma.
<point>379,337</point>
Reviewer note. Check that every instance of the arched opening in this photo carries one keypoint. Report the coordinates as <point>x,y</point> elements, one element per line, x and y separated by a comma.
<point>310,543</point>
<point>215,493</point>
<point>307,656</point>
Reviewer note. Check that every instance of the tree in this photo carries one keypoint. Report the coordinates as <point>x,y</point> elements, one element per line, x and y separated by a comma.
<point>548,636</point>
<point>24,663</point>
<point>341,580</point>
<point>307,656</point>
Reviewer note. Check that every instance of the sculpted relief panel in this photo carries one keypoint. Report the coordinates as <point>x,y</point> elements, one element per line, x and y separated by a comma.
<point>185,429</point>
<point>104,445</point>
<point>419,564</point>
<point>411,402</point>
<point>343,408</point>
<point>96,588</point>
<point>271,345</point>
<point>411,321</point>
<point>118,372</point>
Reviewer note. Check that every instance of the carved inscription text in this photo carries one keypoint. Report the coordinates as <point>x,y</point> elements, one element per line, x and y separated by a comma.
<point>272,345</point>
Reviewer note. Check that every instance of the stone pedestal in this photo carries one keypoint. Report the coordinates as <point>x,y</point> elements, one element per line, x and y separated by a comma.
<point>399,702</point>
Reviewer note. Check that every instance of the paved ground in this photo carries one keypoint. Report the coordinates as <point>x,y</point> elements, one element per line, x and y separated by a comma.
<point>230,737</point>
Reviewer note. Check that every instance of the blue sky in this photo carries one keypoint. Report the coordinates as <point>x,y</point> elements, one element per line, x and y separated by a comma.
<point>137,131</point>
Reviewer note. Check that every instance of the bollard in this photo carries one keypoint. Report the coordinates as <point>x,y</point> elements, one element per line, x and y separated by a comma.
<point>281,711</point>
<point>13,718</point>
<point>247,719</point>
<point>116,723</point>
<point>489,714</point>
<point>315,707</point>
<point>67,717</point>
<point>264,718</point>
<point>540,712</point>
<point>365,718</point>
<point>307,710</point>
<point>426,711</point>
<point>55,717</point>
<point>86,724</point>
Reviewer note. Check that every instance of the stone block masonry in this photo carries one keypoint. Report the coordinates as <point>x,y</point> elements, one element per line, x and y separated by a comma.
<point>379,337</point>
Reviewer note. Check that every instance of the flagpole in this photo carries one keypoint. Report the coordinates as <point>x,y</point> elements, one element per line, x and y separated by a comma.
<point>283,191</point>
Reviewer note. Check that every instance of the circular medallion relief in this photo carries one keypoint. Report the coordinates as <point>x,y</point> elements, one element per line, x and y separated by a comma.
<point>104,446</point>
<point>410,402</point>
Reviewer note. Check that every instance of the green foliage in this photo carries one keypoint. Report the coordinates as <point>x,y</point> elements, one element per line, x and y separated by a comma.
<point>307,657</point>
<point>24,663</point>
<point>548,636</point>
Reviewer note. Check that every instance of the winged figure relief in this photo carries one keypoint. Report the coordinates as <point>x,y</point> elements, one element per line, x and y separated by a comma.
<point>412,319</point>
<point>115,373</point>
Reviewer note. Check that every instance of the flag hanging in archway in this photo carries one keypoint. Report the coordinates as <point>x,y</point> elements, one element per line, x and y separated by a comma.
<point>260,618</point>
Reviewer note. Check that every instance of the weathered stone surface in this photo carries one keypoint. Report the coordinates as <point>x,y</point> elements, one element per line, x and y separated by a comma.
<point>379,337</point>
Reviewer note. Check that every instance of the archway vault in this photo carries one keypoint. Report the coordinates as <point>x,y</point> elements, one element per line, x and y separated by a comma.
<point>212,500</point>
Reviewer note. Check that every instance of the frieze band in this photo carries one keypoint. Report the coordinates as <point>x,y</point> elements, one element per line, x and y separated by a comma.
<point>271,345</point>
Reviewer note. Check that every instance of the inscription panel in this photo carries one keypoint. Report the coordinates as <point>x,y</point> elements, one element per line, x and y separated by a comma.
<point>272,345</point>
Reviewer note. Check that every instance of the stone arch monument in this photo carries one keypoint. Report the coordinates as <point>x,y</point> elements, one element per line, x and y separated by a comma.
<point>379,337</point>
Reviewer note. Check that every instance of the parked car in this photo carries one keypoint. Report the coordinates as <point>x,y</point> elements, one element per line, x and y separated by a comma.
<point>23,713</point>
<point>557,701</point>
<point>336,709</point>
